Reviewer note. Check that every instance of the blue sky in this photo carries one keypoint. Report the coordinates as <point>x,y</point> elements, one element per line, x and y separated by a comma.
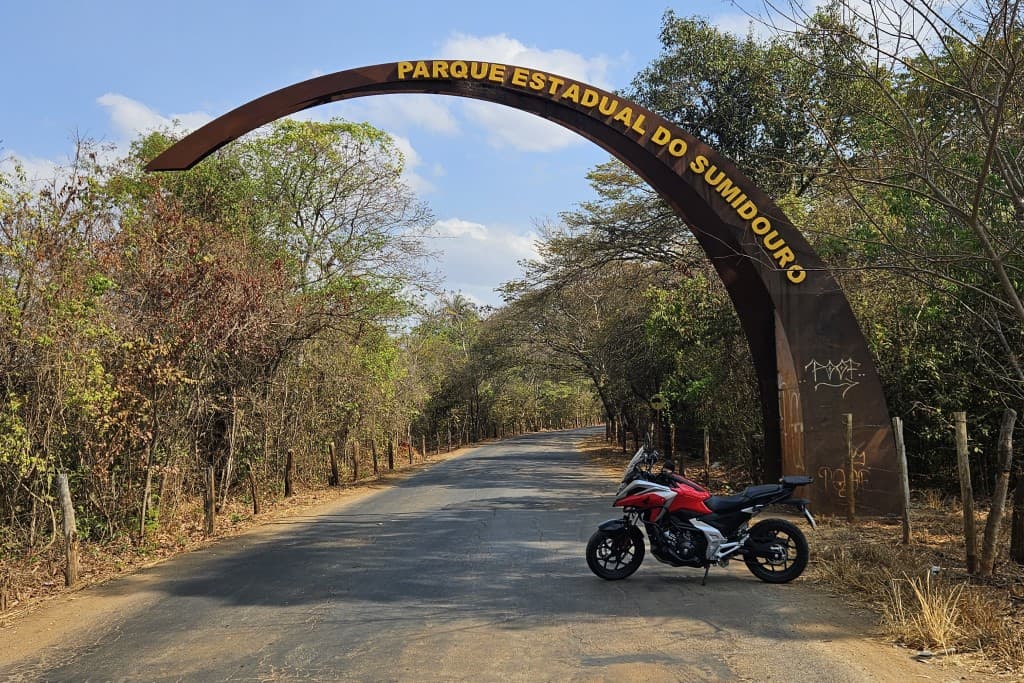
<point>108,70</point>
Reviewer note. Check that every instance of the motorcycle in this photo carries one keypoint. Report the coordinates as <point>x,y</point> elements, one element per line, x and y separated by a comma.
<point>688,527</point>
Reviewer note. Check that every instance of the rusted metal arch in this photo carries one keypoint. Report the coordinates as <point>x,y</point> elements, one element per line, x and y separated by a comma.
<point>811,360</point>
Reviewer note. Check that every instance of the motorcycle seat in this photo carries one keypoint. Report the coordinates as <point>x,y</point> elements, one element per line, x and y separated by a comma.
<point>726,503</point>
<point>749,496</point>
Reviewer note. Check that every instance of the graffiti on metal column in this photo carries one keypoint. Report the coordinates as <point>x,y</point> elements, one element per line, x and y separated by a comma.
<point>841,374</point>
<point>839,480</point>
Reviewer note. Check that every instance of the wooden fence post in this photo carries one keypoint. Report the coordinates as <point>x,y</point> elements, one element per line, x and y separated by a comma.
<point>707,458</point>
<point>254,491</point>
<point>373,454</point>
<point>1017,521</point>
<point>995,514</point>
<point>423,447</point>
<point>335,479</point>
<point>355,460</point>
<point>851,484</point>
<point>408,437</point>
<point>449,438</point>
<point>966,492</point>
<point>70,530</point>
<point>209,501</point>
<point>391,453</point>
<point>289,464</point>
<point>904,472</point>
<point>672,442</point>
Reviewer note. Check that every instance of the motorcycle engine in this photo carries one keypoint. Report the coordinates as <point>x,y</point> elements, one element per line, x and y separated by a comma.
<point>687,544</point>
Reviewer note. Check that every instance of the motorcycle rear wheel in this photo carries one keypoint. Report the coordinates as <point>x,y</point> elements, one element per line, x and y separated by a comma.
<point>787,557</point>
<point>615,556</point>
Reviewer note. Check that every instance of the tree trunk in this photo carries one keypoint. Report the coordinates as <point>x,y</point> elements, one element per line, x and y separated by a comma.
<point>757,468</point>
<point>373,455</point>
<point>70,531</point>
<point>225,483</point>
<point>995,515</point>
<point>391,453</point>
<point>289,465</point>
<point>966,492</point>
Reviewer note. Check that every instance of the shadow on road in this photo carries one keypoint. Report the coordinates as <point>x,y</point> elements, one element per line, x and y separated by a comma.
<point>496,537</point>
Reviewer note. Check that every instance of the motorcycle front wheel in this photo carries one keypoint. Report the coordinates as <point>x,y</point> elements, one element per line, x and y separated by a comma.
<point>615,556</point>
<point>777,551</point>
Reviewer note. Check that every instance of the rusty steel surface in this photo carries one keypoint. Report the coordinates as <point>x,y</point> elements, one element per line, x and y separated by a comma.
<point>811,360</point>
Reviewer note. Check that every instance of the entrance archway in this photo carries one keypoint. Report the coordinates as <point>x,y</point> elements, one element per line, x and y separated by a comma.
<point>811,360</point>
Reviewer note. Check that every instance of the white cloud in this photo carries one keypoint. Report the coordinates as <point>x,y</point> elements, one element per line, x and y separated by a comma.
<point>501,48</point>
<point>509,127</point>
<point>36,169</point>
<point>741,24</point>
<point>426,112</point>
<point>476,258</point>
<point>131,117</point>
<point>416,181</point>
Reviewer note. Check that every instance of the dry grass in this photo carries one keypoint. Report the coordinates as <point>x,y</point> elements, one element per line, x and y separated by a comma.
<point>943,611</point>
<point>923,594</point>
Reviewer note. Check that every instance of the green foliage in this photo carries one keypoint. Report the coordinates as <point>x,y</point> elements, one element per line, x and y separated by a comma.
<point>15,451</point>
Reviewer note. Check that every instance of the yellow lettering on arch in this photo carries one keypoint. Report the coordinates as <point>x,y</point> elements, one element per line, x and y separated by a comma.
<point>761,225</point>
<point>421,70</point>
<point>572,93</point>
<point>520,76</point>
<point>728,191</point>
<point>784,256</point>
<point>403,70</point>
<point>625,115</point>
<point>478,70</point>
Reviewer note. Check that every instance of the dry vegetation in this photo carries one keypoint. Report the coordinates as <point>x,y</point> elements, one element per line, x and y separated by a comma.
<point>922,593</point>
<point>27,580</point>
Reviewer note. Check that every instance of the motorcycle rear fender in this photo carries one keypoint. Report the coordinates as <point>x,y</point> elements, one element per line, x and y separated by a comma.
<point>801,505</point>
<point>615,526</point>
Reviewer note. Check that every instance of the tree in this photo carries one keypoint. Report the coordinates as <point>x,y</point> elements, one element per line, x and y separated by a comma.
<point>747,98</point>
<point>932,155</point>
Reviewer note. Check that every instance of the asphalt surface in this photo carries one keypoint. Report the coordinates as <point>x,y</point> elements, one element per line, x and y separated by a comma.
<point>472,570</point>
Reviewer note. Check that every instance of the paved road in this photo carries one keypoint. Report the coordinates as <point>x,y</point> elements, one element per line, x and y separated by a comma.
<point>472,570</point>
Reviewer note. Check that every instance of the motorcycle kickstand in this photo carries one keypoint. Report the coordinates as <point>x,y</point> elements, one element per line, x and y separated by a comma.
<point>704,581</point>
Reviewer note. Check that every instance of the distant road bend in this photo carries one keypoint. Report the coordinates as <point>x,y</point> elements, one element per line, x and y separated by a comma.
<point>472,570</point>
